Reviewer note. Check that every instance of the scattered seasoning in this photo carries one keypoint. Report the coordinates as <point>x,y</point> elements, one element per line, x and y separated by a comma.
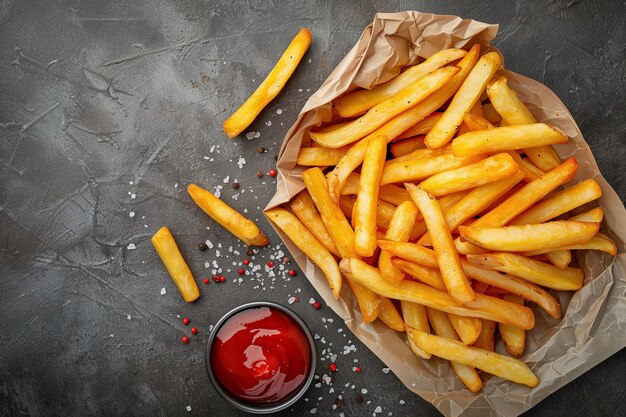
<point>206,280</point>
<point>332,367</point>
<point>292,272</point>
<point>216,278</point>
<point>270,264</point>
<point>185,340</point>
<point>250,252</point>
<point>261,149</point>
<point>203,246</point>
<point>246,262</point>
<point>317,305</point>
<point>186,321</point>
<point>286,260</point>
<point>357,370</point>
<point>259,174</point>
<point>241,271</point>
<point>222,278</point>
<point>235,185</point>
<point>272,172</point>
<point>194,330</point>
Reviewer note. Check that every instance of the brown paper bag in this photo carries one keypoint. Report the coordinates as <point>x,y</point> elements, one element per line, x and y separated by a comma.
<point>593,327</point>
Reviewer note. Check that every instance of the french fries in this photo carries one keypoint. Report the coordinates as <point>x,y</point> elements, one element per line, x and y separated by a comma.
<point>428,276</point>
<point>422,127</point>
<point>599,242</point>
<point>244,229</point>
<point>410,251</point>
<point>319,156</point>
<point>304,208</point>
<point>419,169</point>
<point>399,229</point>
<point>270,87</point>
<point>177,268</point>
<point>389,315</point>
<point>407,146</point>
<point>485,338</point>
<point>468,328</point>
<point>514,339</point>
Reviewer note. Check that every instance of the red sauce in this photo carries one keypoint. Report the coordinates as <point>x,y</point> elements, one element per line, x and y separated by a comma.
<point>261,356</point>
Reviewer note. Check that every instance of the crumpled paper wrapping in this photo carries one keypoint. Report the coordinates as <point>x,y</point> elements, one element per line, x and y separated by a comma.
<point>593,326</point>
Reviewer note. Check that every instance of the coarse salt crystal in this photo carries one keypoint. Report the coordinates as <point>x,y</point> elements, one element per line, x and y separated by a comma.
<point>163,291</point>
<point>363,391</point>
<point>241,162</point>
<point>313,410</point>
<point>131,214</point>
<point>378,409</point>
<point>402,402</point>
<point>188,408</point>
<point>268,123</point>
<point>133,195</point>
<point>257,135</point>
<point>131,246</point>
<point>279,111</point>
<point>128,317</point>
<point>250,135</point>
<point>209,243</point>
<point>291,300</point>
<point>227,179</point>
<point>385,370</point>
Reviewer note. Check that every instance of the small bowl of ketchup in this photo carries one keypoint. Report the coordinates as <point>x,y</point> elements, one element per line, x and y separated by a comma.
<point>260,357</point>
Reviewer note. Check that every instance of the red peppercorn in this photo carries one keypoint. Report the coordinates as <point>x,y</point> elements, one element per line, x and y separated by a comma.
<point>246,262</point>
<point>357,370</point>
<point>185,340</point>
<point>317,305</point>
<point>216,278</point>
<point>241,271</point>
<point>292,272</point>
<point>259,174</point>
<point>206,280</point>
<point>286,260</point>
<point>270,264</point>
<point>194,330</point>
<point>186,321</point>
<point>222,278</point>
<point>332,367</point>
<point>296,299</point>
<point>273,173</point>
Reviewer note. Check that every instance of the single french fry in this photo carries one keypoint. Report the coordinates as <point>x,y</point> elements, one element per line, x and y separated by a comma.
<point>271,86</point>
<point>506,138</point>
<point>423,154</point>
<point>466,248</point>
<point>475,122</point>
<point>422,127</point>
<point>463,100</point>
<point>479,173</point>
<point>483,307</point>
<point>514,112</point>
<point>499,365</point>
<point>485,338</point>
<point>399,229</point>
<point>411,252</point>
<point>562,202</point>
<point>560,258</point>
<point>304,209</point>
<point>595,215</point>
<point>491,114</point>
<point>528,195</point>
<point>177,268</point>
<point>389,315</point>
<point>410,334</point>
<point>423,274</point>
<point>599,242</point>
<point>540,273</point>
<point>318,156</point>
<point>358,102</point>
<point>388,193</point>
<point>419,169</point>
<point>442,327</point>
<point>531,172</point>
<point>468,328</point>
<point>415,318</point>
<point>514,338</point>
<point>365,207</point>
<point>456,282</point>
<point>530,237</point>
<point>386,110</point>
<point>244,229</point>
<point>368,301</point>
<point>407,146</point>
<point>308,244</point>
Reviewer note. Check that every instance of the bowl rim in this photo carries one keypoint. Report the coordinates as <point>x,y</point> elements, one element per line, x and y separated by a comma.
<point>242,405</point>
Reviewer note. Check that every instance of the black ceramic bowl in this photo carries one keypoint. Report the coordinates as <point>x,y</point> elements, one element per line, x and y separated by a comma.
<point>245,406</point>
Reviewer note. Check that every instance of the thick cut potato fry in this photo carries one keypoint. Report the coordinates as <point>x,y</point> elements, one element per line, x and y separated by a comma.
<point>304,209</point>
<point>423,274</point>
<point>271,86</point>
<point>529,237</point>
<point>528,195</point>
<point>365,207</point>
<point>415,318</point>
<point>423,154</point>
<point>308,244</point>
<point>475,122</point>
<point>468,328</point>
<point>400,123</point>
<point>244,229</point>
<point>368,301</point>
<point>410,252</point>
<point>595,215</point>
<point>463,100</point>
<point>422,127</point>
<point>491,114</point>
<point>531,172</point>
<point>466,248</point>
<point>442,327</point>
<point>319,156</point>
<point>386,110</point>
<point>483,307</point>
<point>399,229</point>
<point>358,102</point>
<point>514,285</point>
<point>407,146</point>
<point>540,273</point>
<point>514,338</point>
<point>562,202</point>
<point>599,242</point>
<point>506,138</point>
<point>560,258</point>
<point>168,251</point>
<point>479,173</point>
<point>389,315</point>
<point>456,282</point>
<point>514,112</point>
<point>499,365</point>
<point>485,338</point>
<point>334,220</point>
<point>410,334</point>
<point>388,193</point>
<point>419,169</point>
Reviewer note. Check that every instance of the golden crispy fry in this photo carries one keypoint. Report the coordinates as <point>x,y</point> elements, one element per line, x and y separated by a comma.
<point>499,365</point>
<point>599,242</point>
<point>468,328</point>
<point>410,333</point>
<point>463,100</point>
<point>415,319</point>
<point>319,156</point>
<point>389,315</point>
<point>304,209</point>
<point>514,112</point>
<point>428,276</point>
<point>485,338</point>
<point>423,154</point>
<point>386,110</point>
<point>456,282</point>
<point>514,285</point>
<point>229,218</point>
<point>422,127</point>
<point>358,102</point>
<point>483,307</point>
<point>562,202</point>
<point>365,207</point>
<point>399,229</point>
<point>475,122</point>
<point>411,252</point>
<point>477,108</point>
<point>490,113</point>
<point>540,273</point>
<point>529,237</point>
<point>528,195</point>
<point>369,302</point>
<point>506,138</point>
<point>271,86</point>
<point>442,327</point>
<point>388,193</point>
<point>514,338</point>
<point>560,258</point>
<point>419,169</point>
<point>334,220</point>
<point>479,173</point>
<point>168,251</point>
<point>595,215</point>
<point>531,172</point>
<point>308,244</point>
<point>466,248</point>
<point>407,146</point>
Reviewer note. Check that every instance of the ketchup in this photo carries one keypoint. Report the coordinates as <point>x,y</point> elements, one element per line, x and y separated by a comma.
<point>261,356</point>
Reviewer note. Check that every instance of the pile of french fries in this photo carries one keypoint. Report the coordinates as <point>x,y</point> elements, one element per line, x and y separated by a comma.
<point>436,197</point>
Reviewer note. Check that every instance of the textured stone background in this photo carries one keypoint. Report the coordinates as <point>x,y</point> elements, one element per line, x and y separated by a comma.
<point>109,109</point>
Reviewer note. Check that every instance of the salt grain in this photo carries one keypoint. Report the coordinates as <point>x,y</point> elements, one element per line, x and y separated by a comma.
<point>163,291</point>
<point>385,370</point>
<point>279,111</point>
<point>402,402</point>
<point>241,162</point>
<point>188,408</point>
<point>378,409</point>
<point>250,135</point>
<point>131,214</point>
<point>131,246</point>
<point>363,391</point>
